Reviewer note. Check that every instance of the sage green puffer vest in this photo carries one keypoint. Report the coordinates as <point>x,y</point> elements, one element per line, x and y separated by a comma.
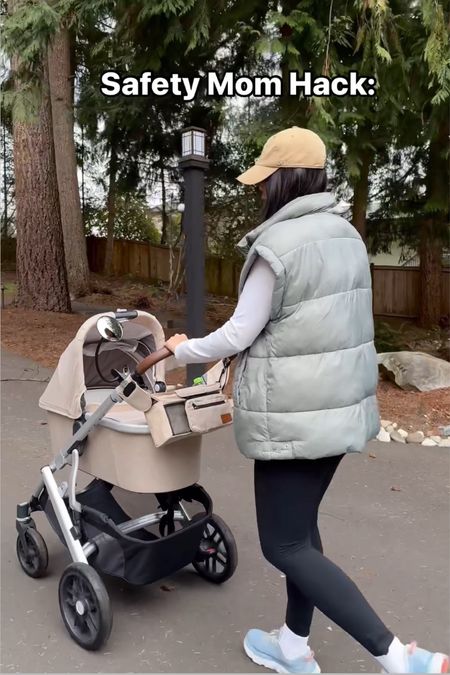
<point>306,387</point>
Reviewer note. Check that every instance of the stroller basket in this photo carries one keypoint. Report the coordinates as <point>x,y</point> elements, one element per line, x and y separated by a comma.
<point>142,556</point>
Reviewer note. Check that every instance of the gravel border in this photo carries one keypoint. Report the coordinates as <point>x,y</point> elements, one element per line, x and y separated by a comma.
<point>390,431</point>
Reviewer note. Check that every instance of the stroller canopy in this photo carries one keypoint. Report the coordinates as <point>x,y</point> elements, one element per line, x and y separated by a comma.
<point>77,368</point>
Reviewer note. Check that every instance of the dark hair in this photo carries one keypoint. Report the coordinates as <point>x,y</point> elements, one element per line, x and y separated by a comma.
<point>287,184</point>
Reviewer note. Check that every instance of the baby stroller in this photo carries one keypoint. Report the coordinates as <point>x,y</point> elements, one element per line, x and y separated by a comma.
<point>111,416</point>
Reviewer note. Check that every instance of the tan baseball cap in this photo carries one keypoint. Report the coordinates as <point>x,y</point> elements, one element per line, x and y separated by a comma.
<point>290,148</point>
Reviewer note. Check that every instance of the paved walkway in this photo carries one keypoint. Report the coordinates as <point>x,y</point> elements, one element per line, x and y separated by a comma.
<point>394,544</point>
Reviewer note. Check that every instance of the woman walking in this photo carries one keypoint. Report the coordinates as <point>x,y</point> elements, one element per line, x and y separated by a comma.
<point>304,395</point>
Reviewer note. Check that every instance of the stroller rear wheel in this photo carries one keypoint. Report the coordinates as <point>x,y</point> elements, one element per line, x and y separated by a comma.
<point>85,606</point>
<point>32,553</point>
<point>217,556</point>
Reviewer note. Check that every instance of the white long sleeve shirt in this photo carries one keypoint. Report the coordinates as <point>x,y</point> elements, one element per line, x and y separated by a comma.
<point>249,318</point>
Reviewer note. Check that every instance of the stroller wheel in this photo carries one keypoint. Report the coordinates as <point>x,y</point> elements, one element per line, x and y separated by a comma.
<point>217,556</point>
<point>32,553</point>
<point>85,606</point>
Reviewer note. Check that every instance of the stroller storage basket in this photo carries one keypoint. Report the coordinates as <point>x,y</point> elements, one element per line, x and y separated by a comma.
<point>141,557</point>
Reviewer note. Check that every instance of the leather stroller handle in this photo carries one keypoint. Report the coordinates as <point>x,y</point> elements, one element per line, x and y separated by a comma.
<point>151,360</point>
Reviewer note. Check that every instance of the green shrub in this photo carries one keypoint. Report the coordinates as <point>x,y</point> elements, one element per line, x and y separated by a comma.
<point>388,338</point>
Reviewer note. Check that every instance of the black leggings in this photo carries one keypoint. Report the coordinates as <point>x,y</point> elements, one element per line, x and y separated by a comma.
<point>288,494</point>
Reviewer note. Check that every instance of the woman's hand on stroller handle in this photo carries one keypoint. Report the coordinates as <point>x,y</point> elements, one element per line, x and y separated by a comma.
<point>161,354</point>
<point>174,341</point>
<point>152,359</point>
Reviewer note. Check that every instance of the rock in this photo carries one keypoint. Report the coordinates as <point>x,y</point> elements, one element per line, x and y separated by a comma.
<point>398,438</point>
<point>429,442</point>
<point>415,370</point>
<point>436,439</point>
<point>383,436</point>
<point>391,427</point>
<point>402,432</point>
<point>444,443</point>
<point>385,423</point>
<point>415,437</point>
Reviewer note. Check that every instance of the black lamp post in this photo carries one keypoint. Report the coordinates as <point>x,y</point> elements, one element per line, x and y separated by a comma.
<point>193,164</point>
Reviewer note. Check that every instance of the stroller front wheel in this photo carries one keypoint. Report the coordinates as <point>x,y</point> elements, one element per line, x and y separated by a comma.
<point>85,606</point>
<point>32,553</point>
<point>217,555</point>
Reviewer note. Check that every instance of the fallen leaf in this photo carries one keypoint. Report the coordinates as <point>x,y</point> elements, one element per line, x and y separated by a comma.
<point>395,488</point>
<point>372,455</point>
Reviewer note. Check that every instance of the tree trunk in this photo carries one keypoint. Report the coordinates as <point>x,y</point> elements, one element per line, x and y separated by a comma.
<point>294,110</point>
<point>163,209</point>
<point>361,193</point>
<point>432,228</point>
<point>41,271</point>
<point>61,76</point>
<point>5,187</point>
<point>111,204</point>
<point>430,275</point>
<point>83,200</point>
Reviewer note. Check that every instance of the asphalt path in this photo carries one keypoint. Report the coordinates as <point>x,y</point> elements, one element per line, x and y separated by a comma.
<point>393,542</point>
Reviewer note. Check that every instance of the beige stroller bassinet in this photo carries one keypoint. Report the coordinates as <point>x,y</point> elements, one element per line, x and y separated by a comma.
<point>111,415</point>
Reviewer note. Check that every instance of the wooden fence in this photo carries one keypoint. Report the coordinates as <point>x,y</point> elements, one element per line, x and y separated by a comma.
<point>154,263</point>
<point>396,290</point>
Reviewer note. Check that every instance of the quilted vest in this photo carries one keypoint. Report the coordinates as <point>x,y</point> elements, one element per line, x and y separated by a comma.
<point>306,387</point>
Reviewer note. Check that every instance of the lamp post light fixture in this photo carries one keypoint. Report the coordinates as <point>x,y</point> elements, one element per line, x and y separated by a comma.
<point>193,142</point>
<point>193,164</point>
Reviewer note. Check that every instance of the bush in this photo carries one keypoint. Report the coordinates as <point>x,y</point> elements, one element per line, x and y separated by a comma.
<point>132,220</point>
<point>388,338</point>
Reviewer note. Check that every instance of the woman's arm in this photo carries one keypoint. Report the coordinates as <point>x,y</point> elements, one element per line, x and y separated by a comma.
<point>250,316</point>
